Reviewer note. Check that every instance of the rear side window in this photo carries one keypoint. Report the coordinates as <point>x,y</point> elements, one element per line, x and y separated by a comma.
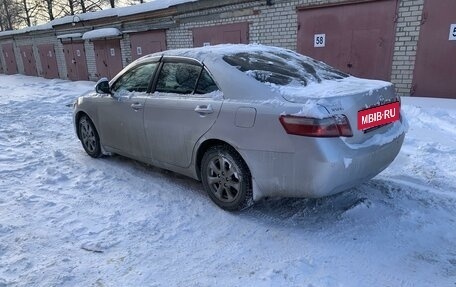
<point>206,84</point>
<point>282,67</point>
<point>178,78</point>
<point>135,80</point>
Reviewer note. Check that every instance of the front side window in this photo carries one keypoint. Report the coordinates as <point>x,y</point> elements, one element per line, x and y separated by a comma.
<point>179,78</point>
<point>135,80</point>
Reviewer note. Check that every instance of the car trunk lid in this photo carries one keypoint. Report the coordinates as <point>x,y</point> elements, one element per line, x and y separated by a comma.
<point>347,97</point>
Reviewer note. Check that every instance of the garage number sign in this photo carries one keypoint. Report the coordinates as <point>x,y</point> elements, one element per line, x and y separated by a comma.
<point>319,40</point>
<point>453,32</point>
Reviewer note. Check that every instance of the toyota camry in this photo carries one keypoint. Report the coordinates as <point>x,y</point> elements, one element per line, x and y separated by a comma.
<point>249,121</point>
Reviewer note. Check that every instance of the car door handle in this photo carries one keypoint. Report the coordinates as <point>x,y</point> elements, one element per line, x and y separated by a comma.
<point>137,106</point>
<point>204,109</point>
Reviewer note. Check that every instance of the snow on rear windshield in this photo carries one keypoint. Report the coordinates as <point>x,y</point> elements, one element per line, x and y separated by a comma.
<point>282,67</point>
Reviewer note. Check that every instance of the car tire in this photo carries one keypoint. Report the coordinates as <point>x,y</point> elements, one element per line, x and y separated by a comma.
<point>89,137</point>
<point>226,178</point>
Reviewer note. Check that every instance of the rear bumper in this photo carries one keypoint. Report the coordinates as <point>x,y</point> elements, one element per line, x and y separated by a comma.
<point>319,168</point>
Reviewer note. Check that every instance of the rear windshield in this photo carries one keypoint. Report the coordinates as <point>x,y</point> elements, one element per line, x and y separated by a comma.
<point>282,67</point>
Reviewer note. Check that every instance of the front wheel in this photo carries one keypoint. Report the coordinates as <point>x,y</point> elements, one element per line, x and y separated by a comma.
<point>226,178</point>
<point>89,137</point>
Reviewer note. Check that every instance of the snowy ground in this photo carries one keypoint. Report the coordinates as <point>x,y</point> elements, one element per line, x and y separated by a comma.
<point>69,220</point>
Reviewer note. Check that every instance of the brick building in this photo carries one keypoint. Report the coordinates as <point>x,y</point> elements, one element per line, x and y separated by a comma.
<point>411,43</point>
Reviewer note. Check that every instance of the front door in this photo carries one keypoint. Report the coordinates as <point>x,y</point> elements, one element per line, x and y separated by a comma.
<point>28,59</point>
<point>48,61</point>
<point>121,116</point>
<point>108,58</point>
<point>176,116</point>
<point>75,60</point>
<point>10,59</point>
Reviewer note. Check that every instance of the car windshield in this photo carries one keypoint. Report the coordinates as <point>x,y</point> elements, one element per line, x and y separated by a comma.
<point>282,67</point>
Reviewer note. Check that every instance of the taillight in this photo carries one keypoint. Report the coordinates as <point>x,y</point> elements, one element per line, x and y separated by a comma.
<point>335,126</point>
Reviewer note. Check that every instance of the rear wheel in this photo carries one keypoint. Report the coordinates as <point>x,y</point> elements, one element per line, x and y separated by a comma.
<point>89,137</point>
<point>226,178</point>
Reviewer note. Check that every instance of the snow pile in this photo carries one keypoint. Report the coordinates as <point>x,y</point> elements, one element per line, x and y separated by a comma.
<point>71,35</point>
<point>69,220</point>
<point>101,33</point>
<point>111,12</point>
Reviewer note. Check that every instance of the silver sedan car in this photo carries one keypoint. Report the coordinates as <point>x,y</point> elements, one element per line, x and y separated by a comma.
<point>249,121</point>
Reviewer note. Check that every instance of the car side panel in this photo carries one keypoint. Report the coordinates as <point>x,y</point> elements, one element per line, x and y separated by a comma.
<point>173,127</point>
<point>121,124</point>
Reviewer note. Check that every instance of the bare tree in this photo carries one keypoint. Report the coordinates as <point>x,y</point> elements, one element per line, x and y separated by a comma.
<point>16,14</point>
<point>10,15</point>
<point>28,11</point>
<point>83,6</point>
<point>134,2</point>
<point>71,6</point>
<point>7,13</point>
<point>49,8</point>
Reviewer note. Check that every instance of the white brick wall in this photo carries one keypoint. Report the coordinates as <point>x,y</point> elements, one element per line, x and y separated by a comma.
<point>179,38</point>
<point>60,57</point>
<point>91,63</point>
<point>407,34</point>
<point>125,49</point>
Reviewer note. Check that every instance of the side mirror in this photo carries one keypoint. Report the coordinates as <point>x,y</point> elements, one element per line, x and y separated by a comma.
<point>102,86</point>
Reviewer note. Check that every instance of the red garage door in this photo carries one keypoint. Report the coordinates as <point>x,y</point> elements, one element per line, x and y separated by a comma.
<point>435,68</point>
<point>108,58</point>
<point>144,43</point>
<point>221,34</point>
<point>10,59</point>
<point>355,38</point>
<point>75,60</point>
<point>48,61</point>
<point>28,59</point>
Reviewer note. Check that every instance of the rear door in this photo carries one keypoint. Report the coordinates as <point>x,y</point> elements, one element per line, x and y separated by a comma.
<point>178,114</point>
<point>121,115</point>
